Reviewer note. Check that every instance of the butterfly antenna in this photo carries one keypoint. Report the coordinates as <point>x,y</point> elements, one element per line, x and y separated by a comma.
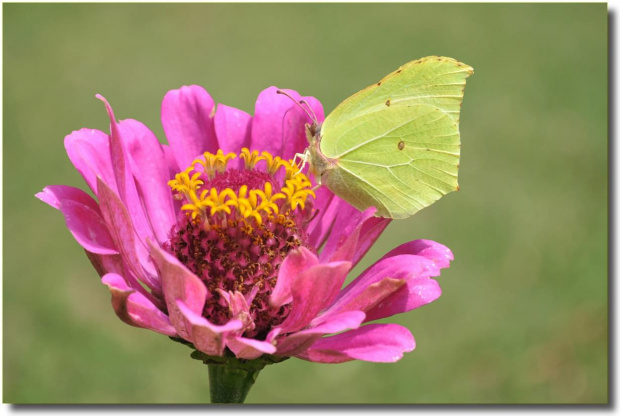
<point>299,105</point>
<point>314,119</point>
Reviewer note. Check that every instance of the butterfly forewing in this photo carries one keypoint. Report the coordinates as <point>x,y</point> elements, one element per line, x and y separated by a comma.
<point>399,159</point>
<point>434,80</point>
<point>396,144</point>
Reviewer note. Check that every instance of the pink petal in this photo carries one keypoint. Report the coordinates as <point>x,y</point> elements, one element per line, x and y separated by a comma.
<point>125,182</point>
<point>365,298</point>
<point>232,127</point>
<point>205,336</point>
<point>249,296</point>
<point>149,167</point>
<point>53,195</point>
<point>173,169</point>
<point>237,303</point>
<point>123,234</point>
<point>171,162</point>
<point>273,334</point>
<point>344,239</point>
<point>312,290</point>
<point>327,205</point>
<point>134,309</point>
<point>438,253</point>
<point>249,349</point>
<point>366,294</point>
<point>279,124</point>
<point>187,117</point>
<point>381,343</point>
<point>88,227</point>
<point>417,292</point>
<point>403,266</point>
<point>337,211</point>
<point>89,151</point>
<point>294,263</point>
<point>179,284</point>
<point>369,233</point>
<point>239,307</point>
<point>299,341</point>
<point>105,264</point>
<point>82,217</point>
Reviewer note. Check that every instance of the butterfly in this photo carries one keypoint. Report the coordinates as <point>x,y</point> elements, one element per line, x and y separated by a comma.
<point>394,145</point>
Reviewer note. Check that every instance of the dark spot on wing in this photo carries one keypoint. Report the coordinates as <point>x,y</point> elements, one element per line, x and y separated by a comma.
<point>399,71</point>
<point>378,83</point>
<point>388,102</point>
<point>401,145</point>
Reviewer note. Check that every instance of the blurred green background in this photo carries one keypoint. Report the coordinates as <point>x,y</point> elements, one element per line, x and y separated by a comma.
<point>523,315</point>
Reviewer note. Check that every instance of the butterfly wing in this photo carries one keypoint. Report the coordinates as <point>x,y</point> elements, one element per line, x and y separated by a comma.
<point>396,145</point>
<point>434,80</point>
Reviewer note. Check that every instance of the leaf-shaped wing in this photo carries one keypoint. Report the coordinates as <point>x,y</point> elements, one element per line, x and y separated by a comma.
<point>434,80</point>
<point>398,158</point>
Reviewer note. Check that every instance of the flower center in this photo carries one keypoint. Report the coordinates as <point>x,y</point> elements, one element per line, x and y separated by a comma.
<point>237,228</point>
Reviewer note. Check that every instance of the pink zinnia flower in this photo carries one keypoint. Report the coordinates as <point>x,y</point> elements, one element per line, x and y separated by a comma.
<point>219,240</point>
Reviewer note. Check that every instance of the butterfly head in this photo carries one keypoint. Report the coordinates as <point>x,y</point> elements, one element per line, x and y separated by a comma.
<point>319,164</point>
<point>313,130</point>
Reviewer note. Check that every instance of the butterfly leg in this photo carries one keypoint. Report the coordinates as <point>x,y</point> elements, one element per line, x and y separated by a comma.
<point>297,156</point>
<point>304,159</point>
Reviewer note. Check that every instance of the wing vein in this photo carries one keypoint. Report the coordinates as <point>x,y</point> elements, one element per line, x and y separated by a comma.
<point>388,132</point>
<point>375,188</point>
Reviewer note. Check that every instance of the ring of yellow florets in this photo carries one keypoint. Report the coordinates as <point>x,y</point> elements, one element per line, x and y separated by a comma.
<point>249,203</point>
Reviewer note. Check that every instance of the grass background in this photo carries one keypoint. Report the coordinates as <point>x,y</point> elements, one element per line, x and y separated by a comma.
<point>523,315</point>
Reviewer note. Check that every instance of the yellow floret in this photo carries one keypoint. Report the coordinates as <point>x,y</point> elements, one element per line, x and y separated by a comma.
<point>254,203</point>
<point>250,158</point>
<point>213,163</point>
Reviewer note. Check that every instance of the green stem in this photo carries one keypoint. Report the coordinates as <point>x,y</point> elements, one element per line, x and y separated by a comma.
<point>230,378</point>
<point>229,382</point>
